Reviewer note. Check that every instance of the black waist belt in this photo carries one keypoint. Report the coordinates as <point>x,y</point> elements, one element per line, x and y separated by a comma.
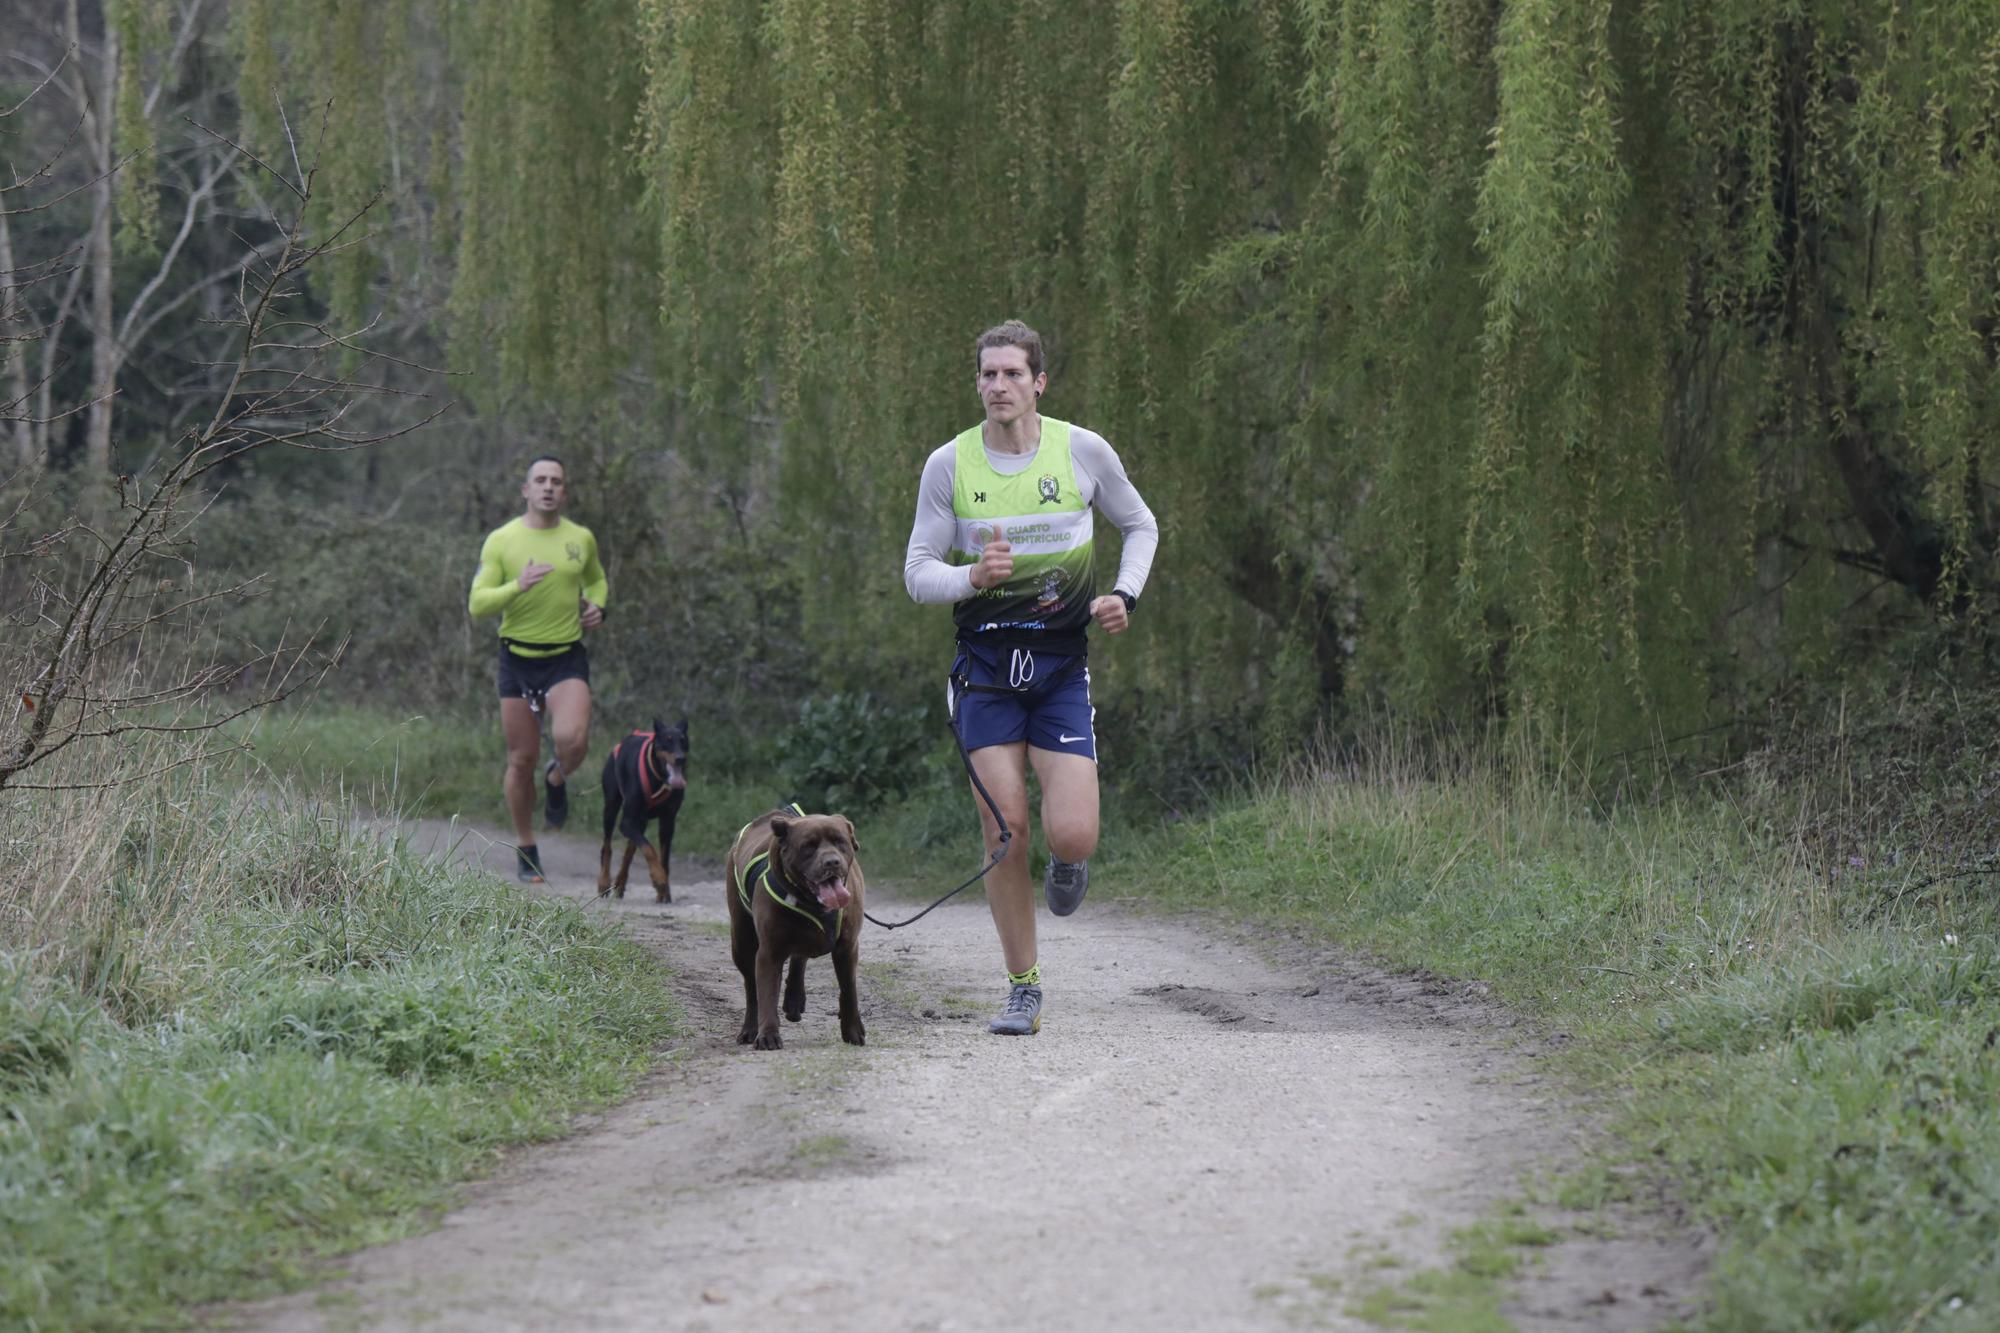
<point>538,647</point>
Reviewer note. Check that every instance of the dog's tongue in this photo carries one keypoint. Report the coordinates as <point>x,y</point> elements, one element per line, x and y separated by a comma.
<point>833,894</point>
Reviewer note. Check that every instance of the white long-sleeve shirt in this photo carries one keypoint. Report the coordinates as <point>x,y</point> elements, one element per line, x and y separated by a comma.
<point>1100,479</point>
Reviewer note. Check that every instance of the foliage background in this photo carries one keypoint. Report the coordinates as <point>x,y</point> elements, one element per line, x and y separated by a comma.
<point>1629,366</point>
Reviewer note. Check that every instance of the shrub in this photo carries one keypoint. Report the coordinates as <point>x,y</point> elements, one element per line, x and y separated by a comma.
<point>851,752</point>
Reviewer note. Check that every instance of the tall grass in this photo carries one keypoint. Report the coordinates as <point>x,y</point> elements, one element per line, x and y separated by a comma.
<point>1796,1030</point>
<point>238,1028</point>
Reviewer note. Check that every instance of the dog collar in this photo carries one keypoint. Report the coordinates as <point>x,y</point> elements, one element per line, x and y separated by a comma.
<point>654,799</point>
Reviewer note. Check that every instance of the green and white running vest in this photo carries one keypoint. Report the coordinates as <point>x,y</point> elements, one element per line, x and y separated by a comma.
<point>1041,513</point>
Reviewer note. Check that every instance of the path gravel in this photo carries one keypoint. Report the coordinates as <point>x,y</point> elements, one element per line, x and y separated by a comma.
<point>1209,1134</point>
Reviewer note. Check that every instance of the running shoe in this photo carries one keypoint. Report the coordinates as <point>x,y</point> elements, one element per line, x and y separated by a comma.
<point>528,865</point>
<point>555,809</point>
<point>1064,884</point>
<point>1023,1015</point>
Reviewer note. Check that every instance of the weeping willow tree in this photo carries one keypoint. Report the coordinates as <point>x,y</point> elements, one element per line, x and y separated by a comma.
<point>1611,361</point>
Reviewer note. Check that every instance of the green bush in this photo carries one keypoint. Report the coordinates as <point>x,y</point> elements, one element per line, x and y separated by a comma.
<point>852,752</point>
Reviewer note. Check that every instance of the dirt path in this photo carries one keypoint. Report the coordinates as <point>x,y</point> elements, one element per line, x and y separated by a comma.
<point>1200,1138</point>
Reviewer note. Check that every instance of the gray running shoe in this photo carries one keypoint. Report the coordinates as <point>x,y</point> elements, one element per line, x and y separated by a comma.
<point>1023,1015</point>
<point>1064,884</point>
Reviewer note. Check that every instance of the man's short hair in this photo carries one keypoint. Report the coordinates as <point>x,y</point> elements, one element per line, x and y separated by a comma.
<point>548,458</point>
<point>1011,334</point>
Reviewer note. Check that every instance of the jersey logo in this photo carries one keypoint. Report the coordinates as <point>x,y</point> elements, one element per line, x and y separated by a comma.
<point>1051,591</point>
<point>1051,489</point>
<point>979,497</point>
<point>574,552</point>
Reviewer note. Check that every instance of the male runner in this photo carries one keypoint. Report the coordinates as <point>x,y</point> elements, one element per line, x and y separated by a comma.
<point>539,573</point>
<point>1003,531</point>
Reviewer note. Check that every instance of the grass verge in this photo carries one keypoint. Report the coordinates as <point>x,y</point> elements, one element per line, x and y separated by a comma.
<point>446,765</point>
<point>238,1031</point>
<point>1805,1048</point>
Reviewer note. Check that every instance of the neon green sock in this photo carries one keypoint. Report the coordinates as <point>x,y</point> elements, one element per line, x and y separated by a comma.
<point>1031,977</point>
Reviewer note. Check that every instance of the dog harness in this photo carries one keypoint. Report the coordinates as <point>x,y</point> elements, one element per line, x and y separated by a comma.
<point>654,799</point>
<point>757,871</point>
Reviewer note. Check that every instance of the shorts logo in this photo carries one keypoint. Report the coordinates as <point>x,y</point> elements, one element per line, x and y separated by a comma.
<point>1050,488</point>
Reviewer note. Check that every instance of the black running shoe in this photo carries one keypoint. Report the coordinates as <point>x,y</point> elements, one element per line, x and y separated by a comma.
<point>555,808</point>
<point>528,865</point>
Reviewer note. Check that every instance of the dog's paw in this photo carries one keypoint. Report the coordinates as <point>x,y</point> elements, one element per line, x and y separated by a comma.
<point>770,1041</point>
<point>661,893</point>
<point>794,1015</point>
<point>854,1035</point>
<point>746,1036</point>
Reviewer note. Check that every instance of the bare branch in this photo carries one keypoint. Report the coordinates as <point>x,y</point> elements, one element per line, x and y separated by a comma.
<point>48,78</point>
<point>282,387</point>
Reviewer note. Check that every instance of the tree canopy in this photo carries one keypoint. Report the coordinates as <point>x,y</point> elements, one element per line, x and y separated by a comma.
<point>1614,362</point>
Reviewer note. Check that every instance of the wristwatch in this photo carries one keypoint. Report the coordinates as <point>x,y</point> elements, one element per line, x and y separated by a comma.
<point>1125,597</point>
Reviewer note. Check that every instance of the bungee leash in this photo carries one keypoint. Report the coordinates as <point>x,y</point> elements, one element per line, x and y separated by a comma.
<point>963,683</point>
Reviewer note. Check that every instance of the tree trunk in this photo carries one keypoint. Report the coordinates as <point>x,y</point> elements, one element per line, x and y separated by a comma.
<point>105,356</point>
<point>15,407</point>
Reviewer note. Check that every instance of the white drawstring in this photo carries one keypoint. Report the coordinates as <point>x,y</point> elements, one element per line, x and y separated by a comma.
<point>1020,668</point>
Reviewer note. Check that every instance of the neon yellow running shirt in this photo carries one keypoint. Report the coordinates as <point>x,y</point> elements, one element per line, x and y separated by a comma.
<point>548,612</point>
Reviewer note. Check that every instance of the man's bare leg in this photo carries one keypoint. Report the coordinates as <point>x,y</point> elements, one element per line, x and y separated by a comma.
<point>569,723</point>
<point>1009,895</point>
<point>1069,802</point>
<point>522,728</point>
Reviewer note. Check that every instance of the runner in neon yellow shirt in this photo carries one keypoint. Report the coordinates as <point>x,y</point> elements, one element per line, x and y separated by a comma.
<point>540,574</point>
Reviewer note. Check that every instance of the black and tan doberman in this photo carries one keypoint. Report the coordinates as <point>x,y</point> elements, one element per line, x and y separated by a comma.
<point>645,778</point>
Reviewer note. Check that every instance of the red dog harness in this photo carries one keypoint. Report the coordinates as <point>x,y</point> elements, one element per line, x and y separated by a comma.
<point>654,799</point>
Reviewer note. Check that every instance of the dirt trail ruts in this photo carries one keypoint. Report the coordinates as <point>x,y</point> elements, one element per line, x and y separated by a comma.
<point>1200,1138</point>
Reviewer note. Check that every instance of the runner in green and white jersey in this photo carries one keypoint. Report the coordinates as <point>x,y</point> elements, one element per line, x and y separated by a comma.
<point>1003,532</point>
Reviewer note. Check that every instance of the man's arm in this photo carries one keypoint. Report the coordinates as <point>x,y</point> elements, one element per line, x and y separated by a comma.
<point>927,574</point>
<point>492,590</point>
<point>1118,500</point>
<point>597,585</point>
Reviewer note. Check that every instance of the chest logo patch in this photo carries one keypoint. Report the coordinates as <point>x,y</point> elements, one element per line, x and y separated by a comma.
<point>1050,488</point>
<point>574,552</point>
<point>1051,596</point>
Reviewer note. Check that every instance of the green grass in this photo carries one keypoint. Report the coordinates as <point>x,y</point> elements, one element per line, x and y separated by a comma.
<point>1816,1077</point>
<point>441,766</point>
<point>1799,1044</point>
<point>238,1032</point>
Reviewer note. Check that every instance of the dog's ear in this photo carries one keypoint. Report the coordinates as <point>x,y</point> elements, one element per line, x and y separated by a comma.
<point>658,726</point>
<point>853,838</point>
<point>779,828</point>
<point>682,725</point>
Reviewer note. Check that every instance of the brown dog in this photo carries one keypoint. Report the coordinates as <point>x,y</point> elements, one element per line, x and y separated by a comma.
<point>795,892</point>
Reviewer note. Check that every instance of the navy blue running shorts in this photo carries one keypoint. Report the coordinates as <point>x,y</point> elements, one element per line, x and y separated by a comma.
<point>1045,702</point>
